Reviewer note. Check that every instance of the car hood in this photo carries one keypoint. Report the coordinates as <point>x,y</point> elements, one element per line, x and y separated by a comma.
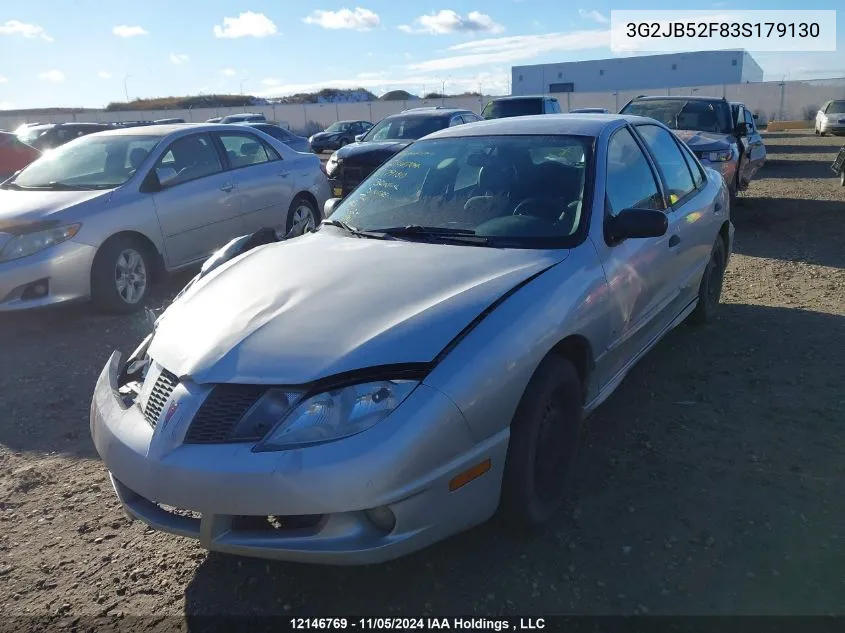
<point>371,152</point>
<point>323,304</point>
<point>705,141</point>
<point>21,208</point>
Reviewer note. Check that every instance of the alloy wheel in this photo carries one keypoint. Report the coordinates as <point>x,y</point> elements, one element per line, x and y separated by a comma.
<point>130,276</point>
<point>303,219</point>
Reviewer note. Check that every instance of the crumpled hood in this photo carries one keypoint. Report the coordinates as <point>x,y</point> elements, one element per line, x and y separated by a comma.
<point>371,152</point>
<point>705,141</point>
<point>322,304</point>
<point>20,208</point>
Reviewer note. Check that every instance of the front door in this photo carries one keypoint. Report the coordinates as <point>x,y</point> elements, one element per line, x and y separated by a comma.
<point>641,273</point>
<point>263,179</point>
<point>198,206</point>
<point>756,149</point>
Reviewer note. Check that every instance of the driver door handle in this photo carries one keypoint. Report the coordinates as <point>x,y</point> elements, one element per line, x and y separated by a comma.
<point>227,187</point>
<point>674,241</point>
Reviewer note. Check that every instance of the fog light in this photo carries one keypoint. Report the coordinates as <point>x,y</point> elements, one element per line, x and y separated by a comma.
<point>36,290</point>
<point>382,518</point>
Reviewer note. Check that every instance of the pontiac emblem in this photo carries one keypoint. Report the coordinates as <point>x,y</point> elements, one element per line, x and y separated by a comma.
<point>169,415</point>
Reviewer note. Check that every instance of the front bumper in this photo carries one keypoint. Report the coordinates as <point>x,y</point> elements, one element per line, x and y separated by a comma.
<point>405,463</point>
<point>65,267</point>
<point>832,127</point>
<point>726,168</point>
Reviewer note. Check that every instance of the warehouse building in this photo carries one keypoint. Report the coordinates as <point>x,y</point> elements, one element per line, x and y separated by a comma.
<point>646,72</point>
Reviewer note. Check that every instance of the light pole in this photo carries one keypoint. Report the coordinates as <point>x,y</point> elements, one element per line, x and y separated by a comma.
<point>243,81</point>
<point>126,88</point>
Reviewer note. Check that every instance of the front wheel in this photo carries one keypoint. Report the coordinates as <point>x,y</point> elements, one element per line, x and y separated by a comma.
<point>710,289</point>
<point>121,276</point>
<point>302,216</point>
<point>545,433</point>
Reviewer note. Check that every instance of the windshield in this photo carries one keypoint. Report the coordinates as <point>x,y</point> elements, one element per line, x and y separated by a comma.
<point>340,126</point>
<point>89,162</point>
<point>836,106</point>
<point>31,134</point>
<point>405,128</point>
<point>512,107</point>
<point>519,191</point>
<point>680,114</point>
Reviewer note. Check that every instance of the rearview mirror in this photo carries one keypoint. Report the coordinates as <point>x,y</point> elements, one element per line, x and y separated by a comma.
<point>330,206</point>
<point>166,175</point>
<point>636,223</point>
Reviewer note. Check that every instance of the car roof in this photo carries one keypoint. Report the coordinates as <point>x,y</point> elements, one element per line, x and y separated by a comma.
<point>543,124</point>
<point>518,97</point>
<point>428,111</point>
<point>676,98</point>
<point>165,129</point>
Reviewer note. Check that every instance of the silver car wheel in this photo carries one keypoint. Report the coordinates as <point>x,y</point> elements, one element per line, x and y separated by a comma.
<point>130,275</point>
<point>303,219</point>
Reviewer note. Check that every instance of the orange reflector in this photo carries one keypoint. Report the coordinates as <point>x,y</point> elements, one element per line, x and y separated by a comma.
<point>468,475</point>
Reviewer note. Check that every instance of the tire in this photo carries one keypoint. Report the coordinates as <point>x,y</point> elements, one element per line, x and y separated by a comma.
<point>344,142</point>
<point>710,289</point>
<point>121,261</point>
<point>298,207</point>
<point>545,433</point>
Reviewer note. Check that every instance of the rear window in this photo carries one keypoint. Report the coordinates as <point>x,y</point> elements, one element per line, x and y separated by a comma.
<point>512,107</point>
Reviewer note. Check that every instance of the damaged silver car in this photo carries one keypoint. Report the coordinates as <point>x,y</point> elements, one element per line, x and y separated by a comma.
<point>425,357</point>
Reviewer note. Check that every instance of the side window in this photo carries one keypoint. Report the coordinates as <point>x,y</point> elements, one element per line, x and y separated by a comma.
<point>695,169</point>
<point>456,120</point>
<point>630,180</point>
<point>668,157</point>
<point>244,150</point>
<point>749,119</point>
<point>827,106</point>
<point>188,158</point>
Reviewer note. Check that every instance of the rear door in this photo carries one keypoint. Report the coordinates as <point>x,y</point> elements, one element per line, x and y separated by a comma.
<point>264,182</point>
<point>198,207</point>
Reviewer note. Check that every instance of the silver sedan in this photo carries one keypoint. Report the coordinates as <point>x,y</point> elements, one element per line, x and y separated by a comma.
<point>449,326</point>
<point>103,215</point>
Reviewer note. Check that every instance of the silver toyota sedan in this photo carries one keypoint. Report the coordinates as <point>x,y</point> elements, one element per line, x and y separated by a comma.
<point>103,215</point>
<point>447,329</point>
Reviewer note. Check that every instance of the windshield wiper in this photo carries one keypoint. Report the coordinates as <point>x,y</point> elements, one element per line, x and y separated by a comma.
<point>354,231</point>
<point>436,232</point>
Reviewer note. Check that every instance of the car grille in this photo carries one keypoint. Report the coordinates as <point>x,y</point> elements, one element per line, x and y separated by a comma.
<point>351,176</point>
<point>163,387</point>
<point>221,411</point>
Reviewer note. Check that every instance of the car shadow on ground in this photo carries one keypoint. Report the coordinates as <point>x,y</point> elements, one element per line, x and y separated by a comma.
<point>796,169</point>
<point>803,230</point>
<point>832,148</point>
<point>671,465</point>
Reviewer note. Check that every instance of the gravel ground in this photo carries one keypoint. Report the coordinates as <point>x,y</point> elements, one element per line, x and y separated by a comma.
<point>711,482</point>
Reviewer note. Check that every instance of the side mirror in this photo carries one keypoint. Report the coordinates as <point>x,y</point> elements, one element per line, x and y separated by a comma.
<point>741,128</point>
<point>359,137</point>
<point>756,116</point>
<point>636,223</point>
<point>330,206</point>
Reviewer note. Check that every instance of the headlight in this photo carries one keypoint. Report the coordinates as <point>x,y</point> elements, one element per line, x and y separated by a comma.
<point>30,243</point>
<point>325,417</point>
<point>332,165</point>
<point>720,156</point>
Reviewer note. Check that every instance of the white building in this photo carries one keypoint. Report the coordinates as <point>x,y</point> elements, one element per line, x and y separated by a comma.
<point>646,72</point>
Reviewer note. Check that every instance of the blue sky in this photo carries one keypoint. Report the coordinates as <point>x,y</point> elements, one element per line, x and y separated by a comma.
<point>81,52</point>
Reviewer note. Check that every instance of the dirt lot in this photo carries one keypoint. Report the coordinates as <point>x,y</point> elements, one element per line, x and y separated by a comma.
<point>712,480</point>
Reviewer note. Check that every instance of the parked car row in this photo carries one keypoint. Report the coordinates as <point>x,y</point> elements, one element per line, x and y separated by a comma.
<point>424,358</point>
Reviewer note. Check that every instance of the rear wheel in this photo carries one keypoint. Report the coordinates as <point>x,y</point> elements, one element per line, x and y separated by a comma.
<point>710,289</point>
<point>121,275</point>
<point>302,216</point>
<point>544,437</point>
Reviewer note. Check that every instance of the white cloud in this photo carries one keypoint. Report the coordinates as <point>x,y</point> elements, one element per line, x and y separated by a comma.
<point>359,19</point>
<point>29,31</point>
<point>179,58</point>
<point>247,24</point>
<point>448,21</point>
<point>229,72</point>
<point>593,15</point>
<point>129,31</point>
<point>52,75</point>
<point>3,80</point>
<point>270,81</point>
<point>505,50</point>
<point>104,74</point>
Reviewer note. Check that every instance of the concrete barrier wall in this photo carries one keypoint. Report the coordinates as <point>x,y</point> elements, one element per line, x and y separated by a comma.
<point>789,100</point>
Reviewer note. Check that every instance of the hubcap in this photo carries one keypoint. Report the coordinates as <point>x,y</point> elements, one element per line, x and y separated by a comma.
<point>130,276</point>
<point>303,219</point>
